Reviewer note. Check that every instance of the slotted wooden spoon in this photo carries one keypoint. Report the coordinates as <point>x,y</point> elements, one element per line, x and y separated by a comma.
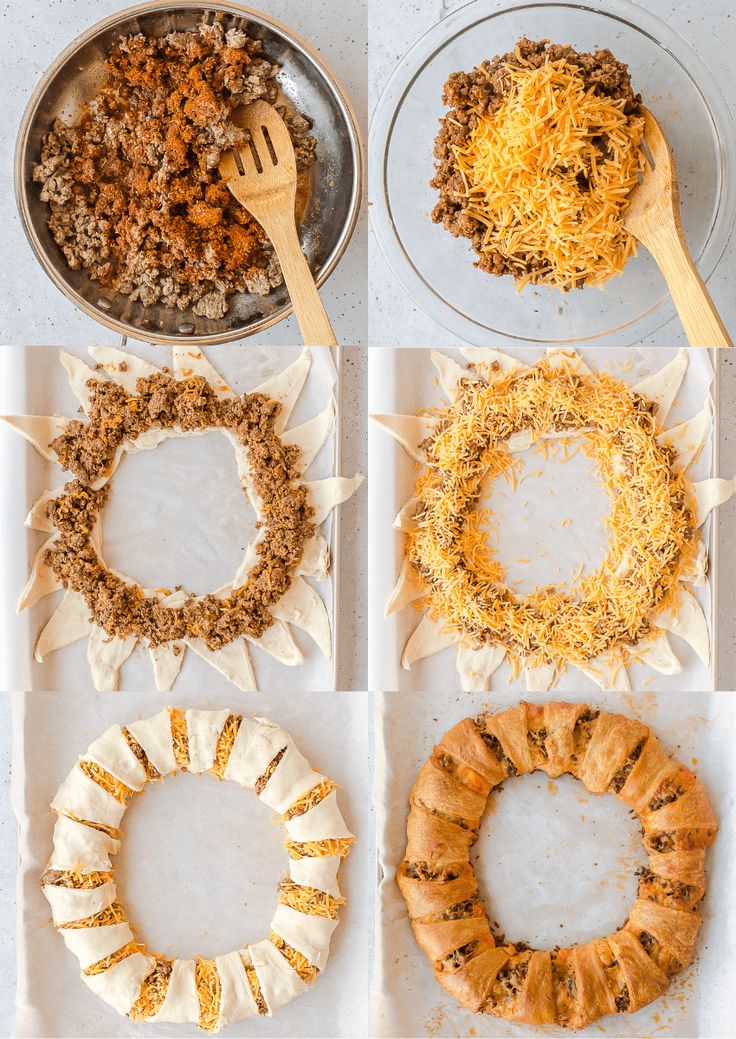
<point>653,217</point>
<point>262,177</point>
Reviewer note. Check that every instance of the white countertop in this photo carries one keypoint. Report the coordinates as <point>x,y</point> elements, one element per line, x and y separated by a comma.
<point>32,32</point>
<point>710,26</point>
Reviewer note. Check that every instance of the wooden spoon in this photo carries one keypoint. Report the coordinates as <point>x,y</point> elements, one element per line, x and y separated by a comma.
<point>653,217</point>
<point>261,174</point>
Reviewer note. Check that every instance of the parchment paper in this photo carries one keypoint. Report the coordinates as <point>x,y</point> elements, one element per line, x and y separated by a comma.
<point>555,866</point>
<point>553,519</point>
<point>199,864</point>
<point>190,528</point>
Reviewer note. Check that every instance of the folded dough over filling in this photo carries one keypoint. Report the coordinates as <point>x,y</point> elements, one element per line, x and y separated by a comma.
<point>608,753</point>
<point>80,887</point>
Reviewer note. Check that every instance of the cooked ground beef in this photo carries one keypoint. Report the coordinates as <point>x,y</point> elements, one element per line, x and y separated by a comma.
<point>470,95</point>
<point>135,195</point>
<point>88,448</point>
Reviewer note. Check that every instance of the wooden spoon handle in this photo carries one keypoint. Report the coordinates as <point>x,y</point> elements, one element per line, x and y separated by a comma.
<point>310,312</point>
<point>699,317</point>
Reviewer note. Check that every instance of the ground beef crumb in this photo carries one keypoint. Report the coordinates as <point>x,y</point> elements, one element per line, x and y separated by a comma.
<point>135,196</point>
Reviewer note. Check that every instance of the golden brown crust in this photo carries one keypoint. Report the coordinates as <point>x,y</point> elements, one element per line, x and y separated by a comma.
<point>576,986</point>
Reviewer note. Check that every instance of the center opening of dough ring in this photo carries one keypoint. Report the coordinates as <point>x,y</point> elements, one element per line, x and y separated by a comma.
<point>192,522</point>
<point>545,519</point>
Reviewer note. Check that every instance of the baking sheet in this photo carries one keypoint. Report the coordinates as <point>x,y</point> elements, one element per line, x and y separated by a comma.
<point>190,524</point>
<point>199,864</point>
<point>552,520</point>
<point>555,866</point>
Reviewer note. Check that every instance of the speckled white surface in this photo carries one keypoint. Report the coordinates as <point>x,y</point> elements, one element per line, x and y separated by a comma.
<point>710,26</point>
<point>32,33</point>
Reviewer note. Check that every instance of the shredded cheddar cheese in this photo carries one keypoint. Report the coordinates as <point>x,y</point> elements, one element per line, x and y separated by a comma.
<point>310,799</point>
<point>179,737</point>
<point>209,992</point>
<point>225,743</point>
<point>309,900</point>
<point>115,957</point>
<point>102,777</point>
<point>319,849</point>
<point>75,878</point>
<point>113,914</point>
<point>153,991</point>
<point>548,175</point>
<point>651,524</point>
<point>306,971</point>
<point>255,988</point>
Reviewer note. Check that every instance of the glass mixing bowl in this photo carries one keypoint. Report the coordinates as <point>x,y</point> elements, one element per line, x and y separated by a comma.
<point>436,269</point>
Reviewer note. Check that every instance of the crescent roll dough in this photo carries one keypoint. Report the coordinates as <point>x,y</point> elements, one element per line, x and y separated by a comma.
<point>608,753</point>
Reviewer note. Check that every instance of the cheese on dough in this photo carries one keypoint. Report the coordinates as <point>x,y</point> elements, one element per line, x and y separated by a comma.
<point>688,438</point>
<point>120,985</point>
<point>181,1003</point>
<point>112,752</point>
<point>256,745</point>
<point>80,847</point>
<point>203,732</point>
<point>279,982</point>
<point>81,797</point>
<point>292,778</point>
<point>321,823</point>
<point>69,904</point>
<point>92,944</point>
<point>236,998</point>
<point>319,873</point>
<point>154,736</point>
<point>309,935</point>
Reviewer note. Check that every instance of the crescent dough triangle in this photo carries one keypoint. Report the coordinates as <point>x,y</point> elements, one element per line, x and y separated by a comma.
<point>608,671</point>
<point>428,637</point>
<point>133,368</point>
<point>567,357</point>
<point>539,679</point>
<point>315,558</point>
<point>303,607</point>
<point>188,362</point>
<point>709,494</point>
<point>37,518</point>
<point>42,580</point>
<point>233,661</point>
<point>310,436</point>
<point>449,373</point>
<point>409,430</point>
<point>166,661</point>
<point>688,438</point>
<point>38,430</point>
<point>69,622</point>
<point>408,588</point>
<point>696,570</point>
<point>657,653</point>
<point>686,619</point>
<point>662,386</point>
<point>79,375</point>
<point>404,519</point>
<point>278,642</point>
<point>106,656</point>
<point>325,495</point>
<point>476,666</point>
<point>486,357</point>
<point>286,387</point>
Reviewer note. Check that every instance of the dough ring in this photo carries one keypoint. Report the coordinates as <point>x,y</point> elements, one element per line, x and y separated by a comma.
<point>80,886</point>
<point>132,406</point>
<point>604,620</point>
<point>607,753</point>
